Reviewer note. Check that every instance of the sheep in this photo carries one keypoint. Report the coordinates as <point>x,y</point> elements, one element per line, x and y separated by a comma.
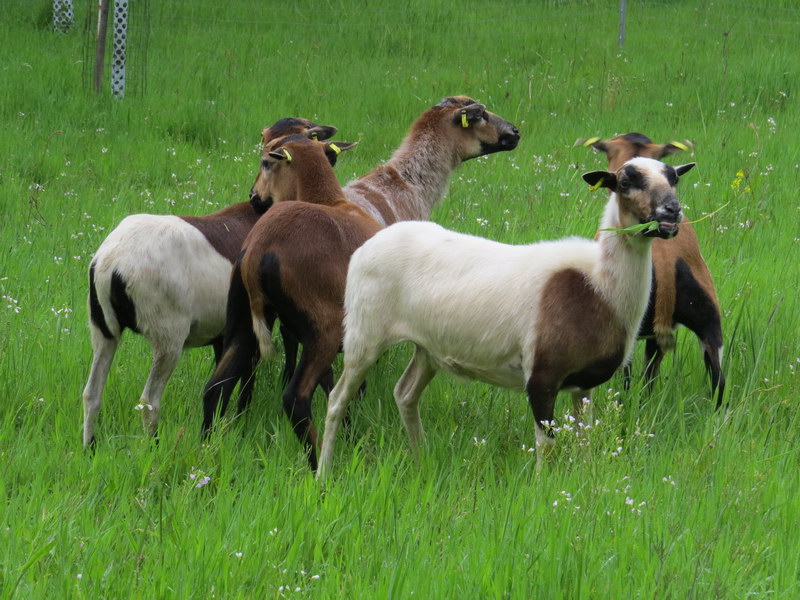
<point>544,317</point>
<point>297,177</point>
<point>166,277</point>
<point>683,290</point>
<point>298,255</point>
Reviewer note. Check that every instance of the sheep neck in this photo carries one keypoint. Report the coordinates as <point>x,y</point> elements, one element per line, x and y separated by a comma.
<point>319,186</point>
<point>411,182</point>
<point>623,273</point>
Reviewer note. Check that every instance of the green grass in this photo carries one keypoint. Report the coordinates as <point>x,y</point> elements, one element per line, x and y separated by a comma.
<point>704,507</point>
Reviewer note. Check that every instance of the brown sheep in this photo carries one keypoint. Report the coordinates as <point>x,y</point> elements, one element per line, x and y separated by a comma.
<point>683,290</point>
<point>299,265</point>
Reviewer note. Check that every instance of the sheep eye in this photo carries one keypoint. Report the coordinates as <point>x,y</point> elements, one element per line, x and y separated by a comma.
<point>265,165</point>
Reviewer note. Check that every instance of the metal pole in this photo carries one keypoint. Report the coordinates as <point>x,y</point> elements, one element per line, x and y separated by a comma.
<point>119,48</point>
<point>100,49</point>
<point>623,5</point>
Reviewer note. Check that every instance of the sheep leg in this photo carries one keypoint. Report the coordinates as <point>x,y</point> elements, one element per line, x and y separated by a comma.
<point>164,361</point>
<point>626,377</point>
<point>407,392</point>
<point>315,362</point>
<point>240,354</point>
<point>246,378</point>
<point>237,364</point>
<point>355,371</point>
<point>104,349</point>
<point>698,310</point>
<point>542,398</point>
<point>290,347</point>
<point>712,355</point>
<point>582,410</point>
<point>218,347</point>
<point>653,355</point>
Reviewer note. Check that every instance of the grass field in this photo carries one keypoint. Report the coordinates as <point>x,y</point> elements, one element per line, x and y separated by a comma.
<point>670,499</point>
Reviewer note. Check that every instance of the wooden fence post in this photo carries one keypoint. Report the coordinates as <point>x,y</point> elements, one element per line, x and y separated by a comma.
<point>100,49</point>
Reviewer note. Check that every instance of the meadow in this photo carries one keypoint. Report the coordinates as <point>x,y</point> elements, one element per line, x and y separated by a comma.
<point>665,498</point>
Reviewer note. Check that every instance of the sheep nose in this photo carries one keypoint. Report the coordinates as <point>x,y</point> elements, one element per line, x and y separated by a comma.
<point>510,138</point>
<point>669,210</point>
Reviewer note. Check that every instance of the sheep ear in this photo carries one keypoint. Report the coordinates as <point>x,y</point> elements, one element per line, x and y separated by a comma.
<point>681,169</point>
<point>598,179</point>
<point>333,149</point>
<point>595,143</point>
<point>469,115</point>
<point>281,154</point>
<point>321,132</point>
<point>673,147</point>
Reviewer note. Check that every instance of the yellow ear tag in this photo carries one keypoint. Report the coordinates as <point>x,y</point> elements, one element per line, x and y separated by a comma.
<point>464,122</point>
<point>683,147</point>
<point>335,148</point>
<point>597,185</point>
<point>591,141</point>
<point>287,155</point>
<point>314,136</point>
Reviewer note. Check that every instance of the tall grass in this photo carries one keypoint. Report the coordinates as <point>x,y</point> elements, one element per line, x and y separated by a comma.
<point>664,498</point>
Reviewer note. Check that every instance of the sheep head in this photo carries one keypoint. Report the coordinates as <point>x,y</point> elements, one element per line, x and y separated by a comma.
<point>279,130</point>
<point>644,192</point>
<point>294,163</point>
<point>622,148</point>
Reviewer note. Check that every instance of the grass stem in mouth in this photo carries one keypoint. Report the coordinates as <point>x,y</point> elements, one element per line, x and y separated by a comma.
<point>640,228</point>
<point>653,225</point>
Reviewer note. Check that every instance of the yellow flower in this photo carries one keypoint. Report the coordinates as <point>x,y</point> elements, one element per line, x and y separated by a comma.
<point>737,181</point>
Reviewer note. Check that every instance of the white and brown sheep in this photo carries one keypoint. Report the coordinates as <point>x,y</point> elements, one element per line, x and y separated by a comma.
<point>303,249</point>
<point>166,277</point>
<point>539,318</point>
<point>683,291</point>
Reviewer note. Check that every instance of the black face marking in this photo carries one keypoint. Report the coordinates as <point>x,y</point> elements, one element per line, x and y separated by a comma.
<point>633,179</point>
<point>259,206</point>
<point>638,139</point>
<point>507,139</point>
<point>294,319</point>
<point>671,175</point>
<point>95,310</point>
<point>122,303</point>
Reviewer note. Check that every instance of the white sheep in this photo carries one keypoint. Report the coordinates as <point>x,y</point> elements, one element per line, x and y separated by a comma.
<point>544,317</point>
